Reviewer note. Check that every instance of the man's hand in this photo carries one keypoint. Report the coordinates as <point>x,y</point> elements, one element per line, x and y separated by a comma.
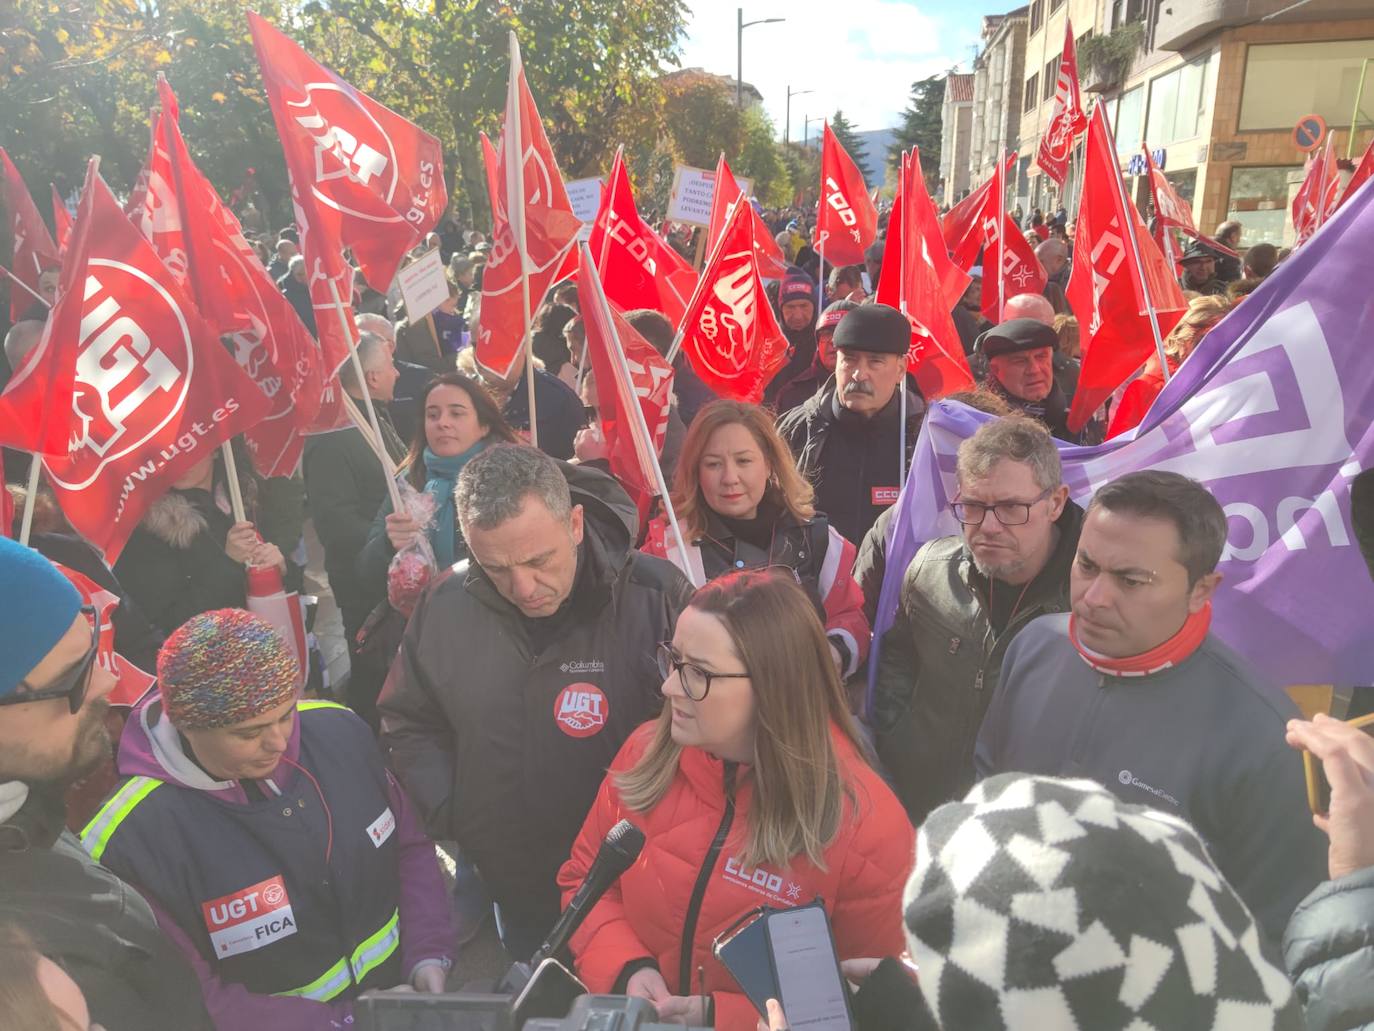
<point>1347,756</point>
<point>648,983</point>
<point>240,542</point>
<point>429,979</point>
<point>401,530</point>
<point>689,1010</point>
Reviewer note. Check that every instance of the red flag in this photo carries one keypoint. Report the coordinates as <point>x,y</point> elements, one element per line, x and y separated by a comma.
<point>61,220</point>
<point>36,406</point>
<point>1363,172</point>
<point>847,221</point>
<point>159,217</point>
<point>135,201</point>
<point>633,456</point>
<point>1316,198</point>
<point>1010,266</point>
<point>155,390</point>
<point>953,280</point>
<point>772,264</point>
<point>1067,120</point>
<point>910,284</point>
<point>533,227</point>
<point>131,683</point>
<point>237,298</point>
<point>1109,293</point>
<point>729,333</point>
<point>375,179</point>
<point>1173,212</point>
<point>962,225</point>
<point>34,250</point>
<point>637,269</point>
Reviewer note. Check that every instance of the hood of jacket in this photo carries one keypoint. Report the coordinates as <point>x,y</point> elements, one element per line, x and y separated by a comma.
<point>151,747</point>
<point>175,519</point>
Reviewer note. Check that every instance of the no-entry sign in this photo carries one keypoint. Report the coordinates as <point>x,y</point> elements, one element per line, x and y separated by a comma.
<point>1309,132</point>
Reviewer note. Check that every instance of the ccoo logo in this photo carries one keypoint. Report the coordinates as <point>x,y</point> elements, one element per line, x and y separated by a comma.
<point>133,369</point>
<point>581,710</point>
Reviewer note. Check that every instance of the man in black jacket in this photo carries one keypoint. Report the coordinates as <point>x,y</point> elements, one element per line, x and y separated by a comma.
<point>524,670</point>
<point>964,599</point>
<point>1020,354</point>
<point>52,732</point>
<point>847,437</point>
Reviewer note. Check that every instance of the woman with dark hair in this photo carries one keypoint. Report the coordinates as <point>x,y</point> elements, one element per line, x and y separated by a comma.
<point>751,789</point>
<point>742,504</point>
<point>457,421</point>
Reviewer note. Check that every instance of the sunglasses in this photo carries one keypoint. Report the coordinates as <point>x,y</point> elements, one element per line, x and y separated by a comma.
<point>73,684</point>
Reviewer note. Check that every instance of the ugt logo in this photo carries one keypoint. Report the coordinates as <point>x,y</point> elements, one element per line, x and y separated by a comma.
<point>133,367</point>
<point>349,142</point>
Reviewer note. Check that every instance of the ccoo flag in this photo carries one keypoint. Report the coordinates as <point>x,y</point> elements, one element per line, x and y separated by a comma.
<point>727,193</point>
<point>847,221</point>
<point>1270,413</point>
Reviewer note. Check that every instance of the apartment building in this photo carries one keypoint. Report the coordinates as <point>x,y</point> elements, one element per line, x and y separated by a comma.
<point>997,74</point>
<point>956,117</point>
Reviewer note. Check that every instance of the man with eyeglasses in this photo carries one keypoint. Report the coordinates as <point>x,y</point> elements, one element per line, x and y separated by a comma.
<point>964,598</point>
<point>1133,690</point>
<point>52,732</point>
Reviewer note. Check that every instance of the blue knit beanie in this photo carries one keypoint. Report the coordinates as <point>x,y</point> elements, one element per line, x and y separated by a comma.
<point>41,606</point>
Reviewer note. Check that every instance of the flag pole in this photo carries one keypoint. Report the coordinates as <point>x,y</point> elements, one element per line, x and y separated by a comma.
<point>1129,209</point>
<point>231,480</point>
<point>903,174</point>
<point>31,291</point>
<point>388,467</point>
<point>1001,232</point>
<point>30,498</point>
<point>638,426</point>
<point>515,212</point>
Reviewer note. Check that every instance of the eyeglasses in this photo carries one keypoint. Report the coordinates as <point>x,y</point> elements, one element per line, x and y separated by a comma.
<point>1008,513</point>
<point>695,681</point>
<point>72,686</point>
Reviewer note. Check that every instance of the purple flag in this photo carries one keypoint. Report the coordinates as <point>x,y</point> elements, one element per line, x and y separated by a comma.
<point>1272,414</point>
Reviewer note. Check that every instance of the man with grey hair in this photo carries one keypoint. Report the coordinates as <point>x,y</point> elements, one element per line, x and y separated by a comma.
<point>964,598</point>
<point>411,379</point>
<point>1228,265</point>
<point>1053,255</point>
<point>1039,308</point>
<point>22,338</point>
<point>295,288</point>
<point>344,487</point>
<point>524,669</point>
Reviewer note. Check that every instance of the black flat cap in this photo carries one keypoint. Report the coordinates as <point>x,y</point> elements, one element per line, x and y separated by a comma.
<point>1196,251</point>
<point>879,328</point>
<point>1017,335</point>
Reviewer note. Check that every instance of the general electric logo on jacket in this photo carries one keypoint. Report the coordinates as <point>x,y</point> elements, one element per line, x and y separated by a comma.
<point>250,918</point>
<point>763,882</point>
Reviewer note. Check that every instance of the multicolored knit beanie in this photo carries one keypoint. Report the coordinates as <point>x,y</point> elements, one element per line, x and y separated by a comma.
<point>224,667</point>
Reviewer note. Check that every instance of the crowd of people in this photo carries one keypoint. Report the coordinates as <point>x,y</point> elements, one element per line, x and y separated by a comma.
<point>1068,804</point>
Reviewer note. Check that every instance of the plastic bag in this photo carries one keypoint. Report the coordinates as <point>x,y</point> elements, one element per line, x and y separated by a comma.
<point>413,566</point>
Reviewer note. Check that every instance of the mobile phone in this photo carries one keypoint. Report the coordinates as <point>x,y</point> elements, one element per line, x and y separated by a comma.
<point>743,951</point>
<point>811,987</point>
<point>1318,787</point>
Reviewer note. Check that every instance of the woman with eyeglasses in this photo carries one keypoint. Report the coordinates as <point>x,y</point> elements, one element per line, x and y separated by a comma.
<point>752,789</point>
<point>742,504</point>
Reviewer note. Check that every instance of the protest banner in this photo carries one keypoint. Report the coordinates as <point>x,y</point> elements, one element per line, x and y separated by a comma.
<point>693,191</point>
<point>424,285</point>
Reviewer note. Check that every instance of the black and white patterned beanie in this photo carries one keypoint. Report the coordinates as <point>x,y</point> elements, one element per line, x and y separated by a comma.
<point>1040,904</point>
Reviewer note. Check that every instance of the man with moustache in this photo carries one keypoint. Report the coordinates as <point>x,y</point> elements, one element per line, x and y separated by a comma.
<point>964,598</point>
<point>52,733</point>
<point>847,438</point>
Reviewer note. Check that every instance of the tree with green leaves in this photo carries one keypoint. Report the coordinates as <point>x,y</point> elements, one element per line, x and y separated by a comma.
<point>849,140</point>
<point>922,127</point>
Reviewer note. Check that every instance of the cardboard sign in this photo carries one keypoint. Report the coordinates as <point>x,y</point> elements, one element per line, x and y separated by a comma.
<point>423,285</point>
<point>693,189</point>
<point>585,197</point>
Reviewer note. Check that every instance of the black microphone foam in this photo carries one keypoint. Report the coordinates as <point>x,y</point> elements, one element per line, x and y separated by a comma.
<point>619,850</point>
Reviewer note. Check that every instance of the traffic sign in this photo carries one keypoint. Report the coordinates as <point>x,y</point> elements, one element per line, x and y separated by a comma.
<point>1309,133</point>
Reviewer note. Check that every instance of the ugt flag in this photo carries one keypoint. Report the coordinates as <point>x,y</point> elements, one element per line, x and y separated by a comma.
<point>34,250</point>
<point>1067,119</point>
<point>1271,414</point>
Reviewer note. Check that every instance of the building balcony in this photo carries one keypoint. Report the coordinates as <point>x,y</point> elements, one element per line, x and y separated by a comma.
<point>1184,22</point>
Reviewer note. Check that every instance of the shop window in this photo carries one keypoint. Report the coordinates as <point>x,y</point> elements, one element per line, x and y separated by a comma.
<point>1285,81</point>
<point>1130,118</point>
<point>1259,202</point>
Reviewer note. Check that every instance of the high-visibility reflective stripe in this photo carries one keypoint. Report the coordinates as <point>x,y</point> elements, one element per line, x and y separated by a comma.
<point>318,704</point>
<point>95,836</point>
<point>332,982</point>
<point>377,949</point>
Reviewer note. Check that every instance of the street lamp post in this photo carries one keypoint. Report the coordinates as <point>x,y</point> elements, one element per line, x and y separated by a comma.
<point>740,26</point>
<point>806,128</point>
<point>787,126</point>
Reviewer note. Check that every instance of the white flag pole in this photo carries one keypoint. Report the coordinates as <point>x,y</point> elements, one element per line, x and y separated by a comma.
<point>231,481</point>
<point>1128,230</point>
<point>30,499</point>
<point>515,214</point>
<point>1001,233</point>
<point>388,466</point>
<point>30,290</point>
<point>638,426</point>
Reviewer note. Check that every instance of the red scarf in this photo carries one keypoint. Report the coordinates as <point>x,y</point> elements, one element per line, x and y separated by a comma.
<point>1161,657</point>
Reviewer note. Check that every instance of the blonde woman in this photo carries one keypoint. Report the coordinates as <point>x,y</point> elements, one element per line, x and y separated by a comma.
<point>751,789</point>
<point>1203,313</point>
<point>742,504</point>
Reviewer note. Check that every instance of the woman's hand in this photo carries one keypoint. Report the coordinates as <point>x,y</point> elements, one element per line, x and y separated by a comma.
<point>689,1010</point>
<point>265,554</point>
<point>240,542</point>
<point>856,971</point>
<point>429,979</point>
<point>648,983</point>
<point>1347,756</point>
<point>776,1021</point>
<point>401,530</point>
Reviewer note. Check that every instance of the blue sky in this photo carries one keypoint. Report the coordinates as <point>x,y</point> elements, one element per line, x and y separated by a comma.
<point>860,56</point>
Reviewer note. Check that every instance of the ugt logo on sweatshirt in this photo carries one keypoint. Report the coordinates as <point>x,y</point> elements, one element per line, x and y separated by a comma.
<point>249,918</point>
<point>581,710</point>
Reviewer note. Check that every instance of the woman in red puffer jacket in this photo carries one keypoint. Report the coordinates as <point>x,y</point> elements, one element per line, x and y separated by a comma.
<point>751,789</point>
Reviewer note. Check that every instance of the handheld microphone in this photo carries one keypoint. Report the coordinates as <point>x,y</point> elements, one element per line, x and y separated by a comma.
<point>617,853</point>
